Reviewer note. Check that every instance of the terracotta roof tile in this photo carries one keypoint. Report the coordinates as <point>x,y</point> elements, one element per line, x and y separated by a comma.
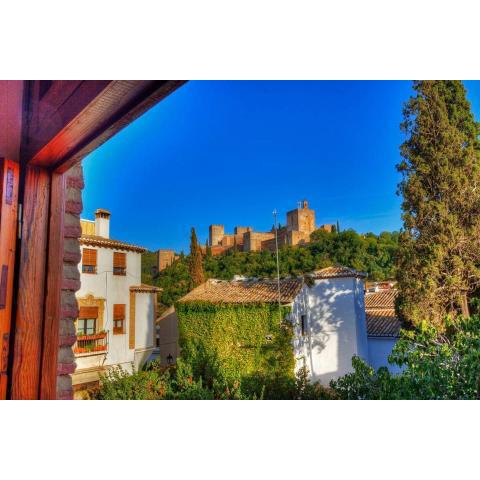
<point>337,272</point>
<point>97,241</point>
<point>380,312</point>
<point>383,299</point>
<point>245,291</point>
<point>383,323</point>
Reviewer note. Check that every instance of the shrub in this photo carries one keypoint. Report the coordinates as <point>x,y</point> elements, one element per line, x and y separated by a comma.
<point>436,364</point>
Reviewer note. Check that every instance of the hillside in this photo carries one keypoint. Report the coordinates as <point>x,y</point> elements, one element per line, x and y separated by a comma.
<point>374,254</point>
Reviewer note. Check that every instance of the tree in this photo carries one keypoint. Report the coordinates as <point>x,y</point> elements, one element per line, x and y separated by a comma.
<point>439,251</point>
<point>195,264</point>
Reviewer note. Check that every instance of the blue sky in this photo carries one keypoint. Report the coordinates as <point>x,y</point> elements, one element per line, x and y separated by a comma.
<point>230,152</point>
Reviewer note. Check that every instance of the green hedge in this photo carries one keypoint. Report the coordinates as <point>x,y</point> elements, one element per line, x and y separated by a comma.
<point>238,343</point>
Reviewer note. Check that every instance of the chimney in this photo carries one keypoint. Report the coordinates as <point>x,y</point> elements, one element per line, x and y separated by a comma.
<point>102,223</point>
<point>305,204</point>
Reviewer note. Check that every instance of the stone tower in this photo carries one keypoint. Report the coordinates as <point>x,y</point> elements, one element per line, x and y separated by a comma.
<point>301,219</point>
<point>215,234</point>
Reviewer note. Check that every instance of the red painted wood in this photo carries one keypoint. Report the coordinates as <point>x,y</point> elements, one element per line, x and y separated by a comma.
<point>48,386</point>
<point>28,340</point>
<point>9,179</point>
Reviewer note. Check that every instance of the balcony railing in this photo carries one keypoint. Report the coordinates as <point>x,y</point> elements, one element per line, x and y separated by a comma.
<point>91,344</point>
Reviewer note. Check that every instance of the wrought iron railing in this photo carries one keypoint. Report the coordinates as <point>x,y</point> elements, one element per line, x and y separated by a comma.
<point>91,344</point>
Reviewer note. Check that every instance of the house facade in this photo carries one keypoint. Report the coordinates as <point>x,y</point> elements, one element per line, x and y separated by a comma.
<point>116,320</point>
<point>328,313</point>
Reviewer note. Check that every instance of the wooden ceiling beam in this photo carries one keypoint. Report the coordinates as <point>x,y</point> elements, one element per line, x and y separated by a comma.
<point>116,105</point>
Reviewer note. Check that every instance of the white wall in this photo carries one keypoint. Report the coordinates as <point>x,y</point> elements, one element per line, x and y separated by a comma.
<point>114,289</point>
<point>336,327</point>
<point>379,348</point>
<point>144,327</point>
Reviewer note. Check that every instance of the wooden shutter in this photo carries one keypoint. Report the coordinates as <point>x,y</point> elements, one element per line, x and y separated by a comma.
<point>9,175</point>
<point>89,257</point>
<point>88,312</point>
<point>119,311</point>
<point>119,260</point>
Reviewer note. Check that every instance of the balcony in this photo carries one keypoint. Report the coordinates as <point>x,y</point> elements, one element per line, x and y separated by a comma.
<point>94,344</point>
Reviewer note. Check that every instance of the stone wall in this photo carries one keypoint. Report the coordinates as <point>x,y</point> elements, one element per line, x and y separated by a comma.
<point>71,282</point>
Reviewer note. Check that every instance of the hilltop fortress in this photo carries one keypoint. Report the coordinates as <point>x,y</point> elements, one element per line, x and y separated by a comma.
<point>300,225</point>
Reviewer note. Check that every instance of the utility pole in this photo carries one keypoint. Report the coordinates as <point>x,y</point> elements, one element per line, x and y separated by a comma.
<point>278,266</point>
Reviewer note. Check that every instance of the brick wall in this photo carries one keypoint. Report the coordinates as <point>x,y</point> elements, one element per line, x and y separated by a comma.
<point>71,282</point>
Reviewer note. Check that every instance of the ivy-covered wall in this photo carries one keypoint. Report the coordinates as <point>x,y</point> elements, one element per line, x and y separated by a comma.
<point>238,343</point>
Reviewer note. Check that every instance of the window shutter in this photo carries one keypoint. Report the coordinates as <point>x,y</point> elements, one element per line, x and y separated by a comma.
<point>88,312</point>
<point>119,311</point>
<point>119,260</point>
<point>89,257</point>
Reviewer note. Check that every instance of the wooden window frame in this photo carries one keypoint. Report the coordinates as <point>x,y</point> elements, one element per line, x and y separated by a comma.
<point>119,266</point>
<point>90,268</point>
<point>89,112</point>
<point>119,317</point>
<point>84,320</point>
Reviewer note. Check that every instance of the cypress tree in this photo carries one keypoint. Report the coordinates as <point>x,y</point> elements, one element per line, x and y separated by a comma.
<point>208,250</point>
<point>196,263</point>
<point>439,251</point>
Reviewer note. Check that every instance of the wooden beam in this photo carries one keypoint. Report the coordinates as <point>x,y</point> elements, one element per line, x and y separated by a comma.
<point>48,385</point>
<point>48,110</point>
<point>131,323</point>
<point>9,179</point>
<point>27,352</point>
<point>117,105</point>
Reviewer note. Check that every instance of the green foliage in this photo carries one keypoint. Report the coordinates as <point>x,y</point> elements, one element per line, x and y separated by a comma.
<point>178,383</point>
<point>238,343</point>
<point>374,254</point>
<point>437,364</point>
<point>157,383</point>
<point>439,254</point>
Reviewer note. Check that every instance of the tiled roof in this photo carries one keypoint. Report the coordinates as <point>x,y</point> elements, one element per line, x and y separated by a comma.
<point>143,288</point>
<point>245,291</point>
<point>383,299</point>
<point>382,323</point>
<point>337,272</point>
<point>96,241</point>
<point>380,312</point>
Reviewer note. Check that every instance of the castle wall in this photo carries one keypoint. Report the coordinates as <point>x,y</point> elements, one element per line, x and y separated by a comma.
<point>165,258</point>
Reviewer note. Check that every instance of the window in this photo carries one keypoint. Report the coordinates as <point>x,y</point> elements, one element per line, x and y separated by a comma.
<point>89,261</point>
<point>303,320</point>
<point>87,321</point>
<point>119,319</point>
<point>119,263</point>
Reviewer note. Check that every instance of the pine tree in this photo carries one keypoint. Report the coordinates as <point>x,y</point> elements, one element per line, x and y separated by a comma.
<point>196,263</point>
<point>439,252</point>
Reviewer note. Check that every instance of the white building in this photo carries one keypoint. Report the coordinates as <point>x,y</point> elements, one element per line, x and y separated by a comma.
<point>117,313</point>
<point>331,323</point>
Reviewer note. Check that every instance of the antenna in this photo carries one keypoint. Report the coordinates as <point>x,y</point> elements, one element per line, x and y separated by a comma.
<point>278,265</point>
